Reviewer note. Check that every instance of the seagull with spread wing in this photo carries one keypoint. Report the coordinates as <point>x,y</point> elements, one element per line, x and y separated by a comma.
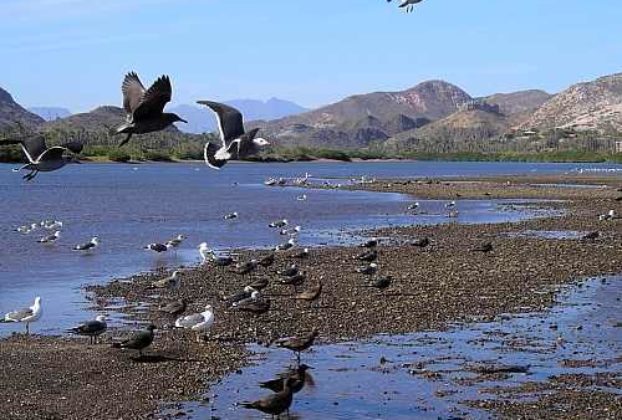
<point>42,158</point>
<point>236,143</point>
<point>145,107</point>
<point>409,5</point>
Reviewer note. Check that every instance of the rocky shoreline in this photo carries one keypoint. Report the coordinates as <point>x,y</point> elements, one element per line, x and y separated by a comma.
<point>445,282</point>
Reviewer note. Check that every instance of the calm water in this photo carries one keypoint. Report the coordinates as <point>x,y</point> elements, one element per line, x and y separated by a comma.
<point>131,206</point>
<point>428,375</point>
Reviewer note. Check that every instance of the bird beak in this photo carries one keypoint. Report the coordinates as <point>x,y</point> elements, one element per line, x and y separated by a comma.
<point>182,120</point>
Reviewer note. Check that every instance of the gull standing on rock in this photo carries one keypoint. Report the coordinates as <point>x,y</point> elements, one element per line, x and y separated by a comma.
<point>92,329</point>
<point>25,315</point>
<point>42,158</point>
<point>145,107</point>
<point>198,322</point>
<point>236,143</point>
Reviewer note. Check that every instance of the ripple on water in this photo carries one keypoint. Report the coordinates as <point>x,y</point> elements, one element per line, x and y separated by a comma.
<point>431,374</point>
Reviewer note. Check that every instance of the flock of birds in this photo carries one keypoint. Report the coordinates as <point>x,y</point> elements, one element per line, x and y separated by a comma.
<point>145,114</point>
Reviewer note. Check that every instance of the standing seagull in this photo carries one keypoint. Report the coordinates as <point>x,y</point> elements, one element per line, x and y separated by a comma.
<point>92,329</point>
<point>199,322</point>
<point>25,315</point>
<point>42,158</point>
<point>145,107</point>
<point>205,252</point>
<point>236,143</point>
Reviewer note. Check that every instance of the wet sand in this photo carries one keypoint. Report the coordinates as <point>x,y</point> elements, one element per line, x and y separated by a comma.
<point>444,283</point>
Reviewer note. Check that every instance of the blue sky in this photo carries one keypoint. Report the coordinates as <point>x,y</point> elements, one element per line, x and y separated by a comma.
<point>74,53</point>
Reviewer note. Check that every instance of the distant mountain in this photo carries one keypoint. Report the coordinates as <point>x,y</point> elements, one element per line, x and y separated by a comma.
<point>11,112</point>
<point>201,120</point>
<point>518,106</point>
<point>50,113</point>
<point>361,119</point>
<point>595,105</point>
<point>101,118</point>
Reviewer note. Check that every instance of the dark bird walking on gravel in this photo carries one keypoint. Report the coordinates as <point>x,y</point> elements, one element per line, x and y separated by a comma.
<point>298,344</point>
<point>277,403</point>
<point>591,236</point>
<point>235,142</point>
<point>369,256</point>
<point>372,243</point>
<point>145,107</point>
<point>92,329</point>
<point>485,248</point>
<point>382,282</point>
<point>42,158</point>
<point>267,261</point>
<point>298,374</point>
<point>368,270</point>
<point>254,306</point>
<point>260,283</point>
<point>312,294</point>
<point>421,242</point>
<point>288,271</point>
<point>139,341</point>
<point>175,308</point>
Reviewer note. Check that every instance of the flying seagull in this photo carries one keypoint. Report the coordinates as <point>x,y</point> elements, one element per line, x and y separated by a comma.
<point>92,329</point>
<point>42,158</point>
<point>231,216</point>
<point>409,5</point>
<point>139,341</point>
<point>145,107</point>
<point>25,315</point>
<point>236,143</point>
<point>88,246</point>
<point>199,322</point>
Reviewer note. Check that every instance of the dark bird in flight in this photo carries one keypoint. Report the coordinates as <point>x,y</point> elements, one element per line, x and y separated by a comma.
<point>145,107</point>
<point>42,158</point>
<point>409,5</point>
<point>236,143</point>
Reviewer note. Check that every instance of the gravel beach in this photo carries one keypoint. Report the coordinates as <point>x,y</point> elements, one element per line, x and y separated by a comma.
<point>445,282</point>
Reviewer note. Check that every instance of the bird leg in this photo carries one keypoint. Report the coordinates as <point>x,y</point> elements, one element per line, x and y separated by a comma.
<point>27,328</point>
<point>129,136</point>
<point>30,176</point>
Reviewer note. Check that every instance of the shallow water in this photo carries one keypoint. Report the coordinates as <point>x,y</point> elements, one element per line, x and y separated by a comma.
<point>130,206</point>
<point>430,374</point>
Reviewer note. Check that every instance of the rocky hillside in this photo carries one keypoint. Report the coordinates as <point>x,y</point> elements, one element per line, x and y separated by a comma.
<point>595,105</point>
<point>11,112</point>
<point>358,120</point>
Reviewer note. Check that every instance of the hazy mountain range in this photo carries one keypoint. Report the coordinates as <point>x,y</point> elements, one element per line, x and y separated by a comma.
<point>426,112</point>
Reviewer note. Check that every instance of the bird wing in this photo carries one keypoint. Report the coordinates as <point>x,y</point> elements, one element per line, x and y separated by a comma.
<point>53,153</point>
<point>209,154</point>
<point>189,321</point>
<point>73,146</point>
<point>246,146</point>
<point>230,121</point>
<point>155,98</point>
<point>140,340</point>
<point>133,92</point>
<point>19,314</point>
<point>33,147</point>
<point>91,327</point>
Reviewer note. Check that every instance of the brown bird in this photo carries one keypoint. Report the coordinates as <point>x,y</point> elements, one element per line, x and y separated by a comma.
<point>174,308</point>
<point>591,236</point>
<point>277,403</point>
<point>260,283</point>
<point>145,107</point>
<point>485,248</point>
<point>267,261</point>
<point>295,280</point>
<point>298,344</point>
<point>299,374</point>
<point>421,242</point>
<point>312,294</point>
<point>254,306</point>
